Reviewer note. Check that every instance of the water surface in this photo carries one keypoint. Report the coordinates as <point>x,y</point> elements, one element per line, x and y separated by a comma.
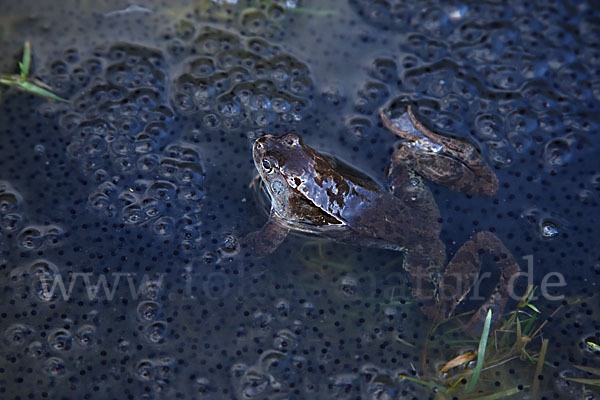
<point>145,181</point>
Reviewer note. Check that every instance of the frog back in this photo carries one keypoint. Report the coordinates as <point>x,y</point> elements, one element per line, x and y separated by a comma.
<point>361,212</point>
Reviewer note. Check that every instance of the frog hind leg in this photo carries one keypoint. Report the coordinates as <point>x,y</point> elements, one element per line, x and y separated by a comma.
<point>423,262</point>
<point>463,270</point>
<point>444,160</point>
<point>425,254</point>
<point>413,192</point>
<point>266,240</point>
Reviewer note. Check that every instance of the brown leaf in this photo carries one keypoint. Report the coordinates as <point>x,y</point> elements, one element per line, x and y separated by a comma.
<point>458,360</point>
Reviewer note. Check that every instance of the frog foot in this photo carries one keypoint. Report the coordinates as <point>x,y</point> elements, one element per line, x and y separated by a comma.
<point>461,272</point>
<point>266,240</point>
<point>444,160</point>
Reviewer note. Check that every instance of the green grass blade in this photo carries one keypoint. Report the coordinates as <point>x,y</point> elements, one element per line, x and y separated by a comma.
<point>538,369</point>
<point>527,355</point>
<point>430,385</point>
<point>10,80</point>
<point>534,308</point>
<point>594,346</point>
<point>520,343</point>
<point>529,326</point>
<point>480,352</point>
<point>531,294</point>
<point>595,371</point>
<point>406,343</point>
<point>26,63</point>
<point>31,88</point>
<point>593,382</point>
<point>21,82</point>
<point>524,300</point>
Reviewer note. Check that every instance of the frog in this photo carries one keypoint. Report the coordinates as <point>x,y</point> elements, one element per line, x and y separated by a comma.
<point>315,193</point>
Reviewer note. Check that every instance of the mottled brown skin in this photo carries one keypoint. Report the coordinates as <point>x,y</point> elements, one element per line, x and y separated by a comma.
<point>314,193</point>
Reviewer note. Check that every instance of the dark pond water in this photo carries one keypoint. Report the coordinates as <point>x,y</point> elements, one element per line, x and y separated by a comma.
<point>134,195</point>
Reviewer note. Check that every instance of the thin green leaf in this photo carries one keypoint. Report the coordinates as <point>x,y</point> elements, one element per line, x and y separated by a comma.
<point>41,84</point>
<point>593,345</point>
<point>594,382</point>
<point>498,395</point>
<point>524,300</point>
<point>534,308</point>
<point>529,326</point>
<point>21,82</point>
<point>538,369</point>
<point>31,88</point>
<point>595,371</point>
<point>526,297</point>
<point>26,63</point>
<point>10,80</point>
<point>549,365</point>
<point>480,352</point>
<point>430,385</point>
<point>529,356</point>
<point>531,294</point>
<point>520,343</point>
<point>406,343</point>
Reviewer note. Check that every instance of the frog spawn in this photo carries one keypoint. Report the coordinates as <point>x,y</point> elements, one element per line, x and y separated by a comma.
<point>32,281</point>
<point>11,203</point>
<point>249,17</point>
<point>180,176</point>
<point>29,237</point>
<point>235,82</point>
<point>277,373</point>
<point>507,103</point>
<point>34,237</point>
<point>31,277</point>
<point>121,138</point>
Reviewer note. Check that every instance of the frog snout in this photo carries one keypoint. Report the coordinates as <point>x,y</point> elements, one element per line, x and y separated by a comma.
<point>259,147</point>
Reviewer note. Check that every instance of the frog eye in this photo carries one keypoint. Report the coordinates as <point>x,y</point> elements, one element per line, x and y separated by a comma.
<point>267,165</point>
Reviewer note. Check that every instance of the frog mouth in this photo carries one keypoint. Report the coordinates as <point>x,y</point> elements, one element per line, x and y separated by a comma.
<point>261,193</point>
<point>266,200</point>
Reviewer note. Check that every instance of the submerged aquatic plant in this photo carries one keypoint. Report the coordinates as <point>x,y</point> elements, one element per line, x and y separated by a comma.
<point>587,381</point>
<point>475,369</point>
<point>481,351</point>
<point>506,344</point>
<point>23,82</point>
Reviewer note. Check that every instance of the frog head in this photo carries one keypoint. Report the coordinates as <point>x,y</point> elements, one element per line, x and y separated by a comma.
<point>307,187</point>
<point>283,164</point>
